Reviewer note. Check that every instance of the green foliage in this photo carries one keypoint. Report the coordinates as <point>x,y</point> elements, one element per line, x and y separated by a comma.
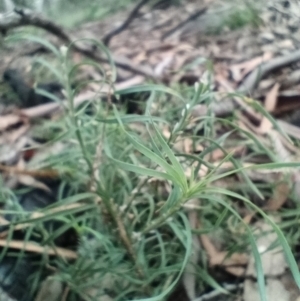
<point>132,187</point>
<point>235,16</point>
<point>242,17</point>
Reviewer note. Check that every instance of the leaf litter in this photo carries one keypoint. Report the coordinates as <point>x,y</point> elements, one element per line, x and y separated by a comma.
<point>171,53</point>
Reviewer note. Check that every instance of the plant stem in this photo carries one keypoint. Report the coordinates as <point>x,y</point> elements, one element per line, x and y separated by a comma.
<point>74,120</point>
<point>160,220</point>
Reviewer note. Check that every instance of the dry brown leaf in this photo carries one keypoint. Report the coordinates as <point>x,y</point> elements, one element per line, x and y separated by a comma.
<point>136,80</point>
<point>165,63</point>
<point>18,133</point>
<point>14,135</point>
<point>46,173</point>
<point>270,105</point>
<point>40,110</point>
<point>3,221</point>
<point>265,126</point>
<point>32,182</point>
<point>184,145</point>
<point>271,98</point>
<point>22,176</point>
<point>279,197</point>
<point>140,57</point>
<point>248,218</point>
<point>253,62</point>
<point>199,111</point>
<point>218,154</point>
<point>188,145</point>
<point>266,84</point>
<point>9,120</point>
<point>246,125</point>
<point>166,132</point>
<point>242,102</point>
<point>35,248</point>
<point>286,44</point>
<point>184,47</point>
<point>234,264</point>
<point>208,246</point>
<point>242,69</point>
<point>189,169</point>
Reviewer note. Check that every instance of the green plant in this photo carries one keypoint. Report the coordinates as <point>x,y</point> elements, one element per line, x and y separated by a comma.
<point>131,188</point>
<point>242,17</point>
<point>234,16</point>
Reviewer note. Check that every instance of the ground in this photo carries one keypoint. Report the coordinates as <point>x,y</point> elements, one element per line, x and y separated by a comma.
<point>169,160</point>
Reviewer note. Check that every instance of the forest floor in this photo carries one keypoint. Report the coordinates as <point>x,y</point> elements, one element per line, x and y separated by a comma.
<point>208,128</point>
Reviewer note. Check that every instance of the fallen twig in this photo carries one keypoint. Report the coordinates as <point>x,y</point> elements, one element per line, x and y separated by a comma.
<point>291,130</point>
<point>106,39</point>
<point>49,108</point>
<point>35,248</point>
<point>183,23</point>
<point>47,173</point>
<point>23,17</point>
<point>262,70</point>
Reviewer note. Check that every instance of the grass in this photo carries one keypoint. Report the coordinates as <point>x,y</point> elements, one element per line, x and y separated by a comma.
<point>131,184</point>
<point>234,16</point>
<point>240,17</point>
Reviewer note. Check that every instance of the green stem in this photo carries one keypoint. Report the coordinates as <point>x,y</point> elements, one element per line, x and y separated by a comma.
<point>74,120</point>
<point>161,220</point>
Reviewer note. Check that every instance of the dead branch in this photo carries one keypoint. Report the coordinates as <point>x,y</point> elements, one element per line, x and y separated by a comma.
<point>261,71</point>
<point>251,81</point>
<point>25,17</point>
<point>192,17</point>
<point>106,39</point>
<point>291,79</point>
<point>49,108</point>
<point>35,248</point>
<point>47,173</point>
<point>290,129</point>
